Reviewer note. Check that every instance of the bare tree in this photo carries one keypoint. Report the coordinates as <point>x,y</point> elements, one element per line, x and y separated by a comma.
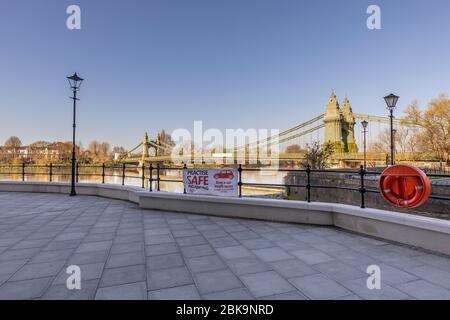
<point>405,141</point>
<point>13,142</point>
<point>104,150</point>
<point>99,152</point>
<point>429,137</point>
<point>167,140</point>
<point>118,149</point>
<point>434,137</point>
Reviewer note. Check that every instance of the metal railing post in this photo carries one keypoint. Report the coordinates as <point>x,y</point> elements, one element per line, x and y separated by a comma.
<point>23,171</point>
<point>123,174</point>
<point>308,183</point>
<point>150,182</point>
<point>103,173</point>
<point>77,172</point>
<point>240,180</point>
<point>184,186</point>
<point>362,189</point>
<point>51,172</point>
<point>143,175</point>
<point>157,177</point>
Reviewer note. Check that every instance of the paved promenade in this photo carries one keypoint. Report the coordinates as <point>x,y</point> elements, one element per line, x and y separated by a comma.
<point>125,252</point>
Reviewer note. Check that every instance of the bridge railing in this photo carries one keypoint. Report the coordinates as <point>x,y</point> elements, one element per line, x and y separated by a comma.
<point>152,176</point>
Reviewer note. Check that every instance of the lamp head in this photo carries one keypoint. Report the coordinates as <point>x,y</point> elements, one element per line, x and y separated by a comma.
<point>75,81</point>
<point>391,101</point>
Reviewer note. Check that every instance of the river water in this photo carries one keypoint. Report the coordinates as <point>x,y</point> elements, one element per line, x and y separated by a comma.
<point>134,178</point>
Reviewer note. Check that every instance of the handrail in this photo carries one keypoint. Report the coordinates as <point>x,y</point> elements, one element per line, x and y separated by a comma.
<point>154,175</point>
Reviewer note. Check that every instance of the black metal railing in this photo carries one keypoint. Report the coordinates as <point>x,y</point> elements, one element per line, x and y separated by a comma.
<point>153,175</point>
<point>309,186</point>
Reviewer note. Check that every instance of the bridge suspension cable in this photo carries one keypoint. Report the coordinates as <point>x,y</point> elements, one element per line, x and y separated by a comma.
<point>386,120</point>
<point>165,145</point>
<point>125,154</point>
<point>161,145</point>
<point>303,133</point>
<point>277,136</point>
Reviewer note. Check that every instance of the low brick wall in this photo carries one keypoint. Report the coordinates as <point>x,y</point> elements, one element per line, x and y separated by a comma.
<point>433,208</point>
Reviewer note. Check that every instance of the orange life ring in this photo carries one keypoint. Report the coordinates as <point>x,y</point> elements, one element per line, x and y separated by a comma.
<point>404,186</point>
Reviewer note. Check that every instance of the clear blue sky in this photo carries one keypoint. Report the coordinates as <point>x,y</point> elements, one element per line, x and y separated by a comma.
<point>160,64</point>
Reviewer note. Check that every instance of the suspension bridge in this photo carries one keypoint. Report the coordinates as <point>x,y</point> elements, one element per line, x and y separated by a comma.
<point>336,126</point>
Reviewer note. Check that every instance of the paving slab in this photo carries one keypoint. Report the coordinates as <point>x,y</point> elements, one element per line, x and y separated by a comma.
<point>188,292</point>
<point>234,252</point>
<point>125,259</point>
<point>433,275</point>
<point>205,263</point>
<point>132,291</point>
<point>286,296</point>
<point>421,289</point>
<point>168,278</point>
<point>197,251</point>
<point>26,289</point>
<point>158,249</point>
<point>223,242</point>
<point>88,257</point>
<point>246,265</point>
<point>7,268</point>
<point>318,286</point>
<point>94,246</point>
<point>125,252</point>
<point>386,292</point>
<point>272,254</point>
<point>165,261</point>
<point>87,291</point>
<point>233,294</point>
<point>38,270</point>
<point>214,281</point>
<point>312,256</point>
<point>292,268</point>
<point>122,275</point>
<point>266,284</point>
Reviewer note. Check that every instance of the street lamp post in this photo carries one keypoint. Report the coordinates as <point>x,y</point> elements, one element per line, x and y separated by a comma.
<point>75,83</point>
<point>391,102</point>
<point>364,123</point>
<point>394,142</point>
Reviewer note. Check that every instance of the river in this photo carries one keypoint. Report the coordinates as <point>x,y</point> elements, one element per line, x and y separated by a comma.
<point>134,178</point>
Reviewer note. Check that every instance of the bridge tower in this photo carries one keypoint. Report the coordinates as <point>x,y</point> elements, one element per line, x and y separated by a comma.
<point>158,144</point>
<point>333,128</point>
<point>348,128</point>
<point>145,147</point>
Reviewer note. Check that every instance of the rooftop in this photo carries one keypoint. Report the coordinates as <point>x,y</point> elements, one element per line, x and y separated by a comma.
<point>127,252</point>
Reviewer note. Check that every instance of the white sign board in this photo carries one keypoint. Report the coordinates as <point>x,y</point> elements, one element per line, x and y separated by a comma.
<point>215,182</point>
